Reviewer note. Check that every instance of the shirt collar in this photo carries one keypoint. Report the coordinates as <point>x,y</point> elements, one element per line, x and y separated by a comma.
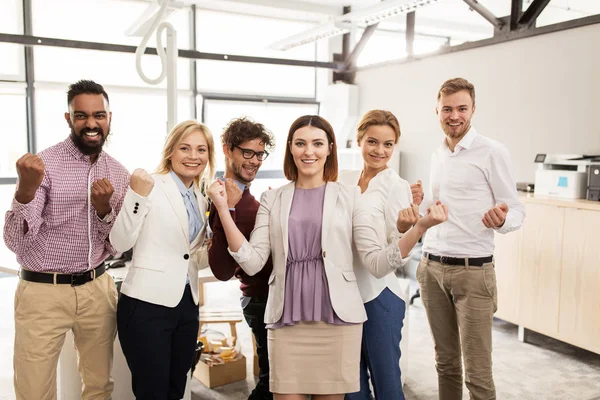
<point>241,185</point>
<point>466,141</point>
<point>182,189</point>
<point>75,152</point>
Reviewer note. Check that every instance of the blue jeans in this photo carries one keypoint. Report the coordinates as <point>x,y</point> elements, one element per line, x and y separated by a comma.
<point>380,350</point>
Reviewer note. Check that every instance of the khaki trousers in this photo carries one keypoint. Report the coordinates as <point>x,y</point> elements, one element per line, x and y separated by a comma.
<point>43,315</point>
<point>460,302</point>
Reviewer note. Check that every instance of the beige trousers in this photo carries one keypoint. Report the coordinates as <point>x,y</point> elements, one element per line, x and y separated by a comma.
<point>43,315</point>
<point>460,302</point>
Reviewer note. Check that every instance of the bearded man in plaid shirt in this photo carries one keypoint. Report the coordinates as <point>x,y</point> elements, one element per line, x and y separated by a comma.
<point>66,202</point>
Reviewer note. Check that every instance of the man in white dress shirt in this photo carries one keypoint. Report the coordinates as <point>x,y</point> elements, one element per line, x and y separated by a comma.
<point>473,176</point>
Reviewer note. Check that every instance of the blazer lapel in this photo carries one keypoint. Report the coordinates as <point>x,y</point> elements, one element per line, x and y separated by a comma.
<point>287,195</point>
<point>202,206</point>
<point>174,196</point>
<point>331,195</point>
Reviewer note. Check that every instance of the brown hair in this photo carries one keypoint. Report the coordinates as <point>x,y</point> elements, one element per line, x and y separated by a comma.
<point>376,118</point>
<point>455,85</point>
<point>241,130</point>
<point>177,134</point>
<point>290,170</point>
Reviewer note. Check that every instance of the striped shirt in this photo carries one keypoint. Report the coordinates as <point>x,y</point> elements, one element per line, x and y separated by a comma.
<point>64,234</point>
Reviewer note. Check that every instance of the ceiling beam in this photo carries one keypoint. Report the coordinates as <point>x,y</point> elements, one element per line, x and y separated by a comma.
<point>533,11</point>
<point>485,13</point>
<point>350,62</point>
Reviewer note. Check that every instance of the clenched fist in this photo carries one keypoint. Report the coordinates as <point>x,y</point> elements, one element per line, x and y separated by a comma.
<point>417,192</point>
<point>102,190</point>
<point>435,215</point>
<point>218,194</point>
<point>495,216</point>
<point>407,218</point>
<point>30,169</point>
<point>141,182</point>
<point>234,193</point>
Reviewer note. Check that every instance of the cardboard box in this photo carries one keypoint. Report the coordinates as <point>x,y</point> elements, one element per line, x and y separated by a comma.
<point>221,374</point>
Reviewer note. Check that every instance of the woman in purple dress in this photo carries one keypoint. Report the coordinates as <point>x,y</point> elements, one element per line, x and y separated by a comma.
<point>314,309</point>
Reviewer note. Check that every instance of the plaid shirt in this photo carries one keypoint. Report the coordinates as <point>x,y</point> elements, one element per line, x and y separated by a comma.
<point>64,233</point>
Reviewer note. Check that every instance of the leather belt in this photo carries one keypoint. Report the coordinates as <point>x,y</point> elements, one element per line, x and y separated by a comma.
<point>470,261</point>
<point>62,279</point>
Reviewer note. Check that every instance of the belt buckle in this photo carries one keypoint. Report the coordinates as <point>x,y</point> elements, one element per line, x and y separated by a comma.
<point>443,259</point>
<point>80,279</point>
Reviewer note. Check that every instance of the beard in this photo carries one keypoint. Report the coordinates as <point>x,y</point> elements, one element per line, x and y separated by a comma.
<point>85,148</point>
<point>456,134</point>
<point>237,170</point>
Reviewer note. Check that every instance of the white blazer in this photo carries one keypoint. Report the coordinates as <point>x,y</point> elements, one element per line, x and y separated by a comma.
<point>344,222</point>
<point>157,228</point>
<point>385,196</point>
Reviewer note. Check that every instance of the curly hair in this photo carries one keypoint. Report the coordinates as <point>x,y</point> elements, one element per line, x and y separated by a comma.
<point>241,130</point>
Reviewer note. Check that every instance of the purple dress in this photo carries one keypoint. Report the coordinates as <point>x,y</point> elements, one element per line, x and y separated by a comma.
<point>306,289</point>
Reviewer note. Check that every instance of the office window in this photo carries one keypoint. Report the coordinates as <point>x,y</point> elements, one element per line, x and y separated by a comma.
<point>11,17</point>
<point>277,117</point>
<point>102,21</point>
<point>255,79</point>
<point>53,64</point>
<point>13,119</point>
<point>138,127</point>
<point>7,257</point>
<point>12,66</point>
<point>251,36</point>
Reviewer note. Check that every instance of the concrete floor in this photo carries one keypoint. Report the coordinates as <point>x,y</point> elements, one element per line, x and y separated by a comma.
<point>543,369</point>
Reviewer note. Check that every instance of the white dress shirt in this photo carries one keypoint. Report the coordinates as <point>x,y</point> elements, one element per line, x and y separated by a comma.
<point>474,178</point>
<point>385,196</point>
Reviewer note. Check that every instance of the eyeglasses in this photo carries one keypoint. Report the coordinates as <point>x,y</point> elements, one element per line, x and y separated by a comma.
<point>248,154</point>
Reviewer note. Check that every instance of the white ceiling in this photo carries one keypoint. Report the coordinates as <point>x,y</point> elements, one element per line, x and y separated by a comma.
<point>452,18</point>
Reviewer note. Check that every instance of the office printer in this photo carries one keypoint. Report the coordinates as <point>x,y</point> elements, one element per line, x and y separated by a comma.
<point>563,175</point>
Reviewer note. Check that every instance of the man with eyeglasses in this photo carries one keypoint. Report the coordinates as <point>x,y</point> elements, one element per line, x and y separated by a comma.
<point>64,207</point>
<point>245,145</point>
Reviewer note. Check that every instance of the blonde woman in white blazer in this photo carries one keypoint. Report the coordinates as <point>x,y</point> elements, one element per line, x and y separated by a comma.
<point>386,194</point>
<point>314,310</point>
<point>164,219</point>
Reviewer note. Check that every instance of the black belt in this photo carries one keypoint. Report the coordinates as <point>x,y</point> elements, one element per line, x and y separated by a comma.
<point>61,279</point>
<point>470,261</point>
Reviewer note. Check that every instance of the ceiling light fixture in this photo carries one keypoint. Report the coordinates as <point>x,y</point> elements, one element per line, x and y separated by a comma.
<point>344,23</point>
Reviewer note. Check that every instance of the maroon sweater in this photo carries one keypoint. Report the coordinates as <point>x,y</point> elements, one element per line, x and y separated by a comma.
<point>222,264</point>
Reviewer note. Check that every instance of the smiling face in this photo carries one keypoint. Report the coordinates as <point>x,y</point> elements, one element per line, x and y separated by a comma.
<point>242,169</point>
<point>455,112</point>
<point>89,120</point>
<point>377,146</point>
<point>190,157</point>
<point>310,148</point>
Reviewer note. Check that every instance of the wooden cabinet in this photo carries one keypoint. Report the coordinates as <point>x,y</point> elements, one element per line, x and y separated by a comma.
<point>548,272</point>
<point>507,260</point>
<point>540,274</point>
<point>579,321</point>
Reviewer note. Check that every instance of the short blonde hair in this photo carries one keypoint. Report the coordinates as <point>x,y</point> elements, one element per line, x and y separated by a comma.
<point>177,134</point>
<point>456,85</point>
<point>377,118</point>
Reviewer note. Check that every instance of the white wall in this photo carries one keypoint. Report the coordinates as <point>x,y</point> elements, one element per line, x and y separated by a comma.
<point>535,95</point>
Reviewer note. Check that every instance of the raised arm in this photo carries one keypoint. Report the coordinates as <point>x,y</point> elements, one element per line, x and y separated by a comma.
<point>136,206</point>
<point>381,259</point>
<point>251,256</point>
<point>22,222</point>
